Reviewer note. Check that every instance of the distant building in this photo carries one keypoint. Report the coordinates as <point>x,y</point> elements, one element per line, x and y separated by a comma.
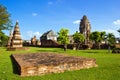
<point>85,28</point>
<point>49,35</point>
<point>49,39</point>
<point>35,42</point>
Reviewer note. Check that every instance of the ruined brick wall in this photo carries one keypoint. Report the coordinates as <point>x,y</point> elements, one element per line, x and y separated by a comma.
<point>45,63</point>
<point>49,43</point>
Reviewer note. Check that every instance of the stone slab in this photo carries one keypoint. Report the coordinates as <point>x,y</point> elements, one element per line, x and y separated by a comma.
<point>44,63</point>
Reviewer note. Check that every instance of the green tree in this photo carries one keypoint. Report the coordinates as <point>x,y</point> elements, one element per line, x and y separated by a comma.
<point>63,37</point>
<point>110,38</point>
<point>102,36</point>
<point>118,31</point>
<point>97,37</point>
<point>3,39</point>
<point>78,38</point>
<point>5,22</point>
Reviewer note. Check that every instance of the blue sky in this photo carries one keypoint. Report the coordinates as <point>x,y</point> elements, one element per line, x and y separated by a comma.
<point>38,16</point>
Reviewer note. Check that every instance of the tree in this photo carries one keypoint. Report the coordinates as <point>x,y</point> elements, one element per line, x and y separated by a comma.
<point>63,37</point>
<point>5,22</point>
<point>78,38</point>
<point>110,38</point>
<point>97,37</point>
<point>118,31</point>
<point>3,39</point>
<point>102,36</point>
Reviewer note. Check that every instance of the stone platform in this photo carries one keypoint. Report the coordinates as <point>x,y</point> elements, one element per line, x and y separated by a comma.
<point>44,63</point>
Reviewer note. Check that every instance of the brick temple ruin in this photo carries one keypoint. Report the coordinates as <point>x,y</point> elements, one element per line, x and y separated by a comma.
<point>15,40</point>
<point>45,63</point>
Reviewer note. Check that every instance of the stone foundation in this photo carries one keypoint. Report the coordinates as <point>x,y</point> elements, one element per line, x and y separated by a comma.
<point>45,63</point>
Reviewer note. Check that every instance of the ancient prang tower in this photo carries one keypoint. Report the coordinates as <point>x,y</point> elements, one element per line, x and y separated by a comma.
<point>15,41</point>
<point>85,28</point>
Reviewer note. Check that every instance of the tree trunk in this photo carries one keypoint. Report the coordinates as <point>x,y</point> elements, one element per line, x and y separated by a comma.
<point>65,47</point>
<point>78,47</point>
<point>74,47</point>
<point>98,45</point>
<point>108,48</point>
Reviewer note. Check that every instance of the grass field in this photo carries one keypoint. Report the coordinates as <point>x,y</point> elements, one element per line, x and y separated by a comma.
<point>108,65</point>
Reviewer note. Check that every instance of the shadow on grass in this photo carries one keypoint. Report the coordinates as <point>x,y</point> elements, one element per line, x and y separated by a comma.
<point>47,50</point>
<point>61,50</point>
<point>14,66</point>
<point>91,52</point>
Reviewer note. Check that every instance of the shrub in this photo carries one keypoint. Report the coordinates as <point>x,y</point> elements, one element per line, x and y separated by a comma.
<point>116,50</point>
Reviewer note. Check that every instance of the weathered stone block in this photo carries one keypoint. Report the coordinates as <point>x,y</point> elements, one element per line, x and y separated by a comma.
<point>45,63</point>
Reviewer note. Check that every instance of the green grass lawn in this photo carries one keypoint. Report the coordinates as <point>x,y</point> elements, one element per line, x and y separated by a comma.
<point>108,65</point>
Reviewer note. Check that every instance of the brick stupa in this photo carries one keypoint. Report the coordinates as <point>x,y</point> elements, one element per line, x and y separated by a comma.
<point>15,40</point>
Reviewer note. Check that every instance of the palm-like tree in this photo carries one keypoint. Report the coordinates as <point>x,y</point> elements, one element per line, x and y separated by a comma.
<point>118,31</point>
<point>110,38</point>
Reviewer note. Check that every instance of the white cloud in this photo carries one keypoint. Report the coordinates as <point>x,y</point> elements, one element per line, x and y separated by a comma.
<point>112,31</point>
<point>76,22</point>
<point>30,34</point>
<point>50,3</point>
<point>37,34</point>
<point>117,22</point>
<point>34,14</point>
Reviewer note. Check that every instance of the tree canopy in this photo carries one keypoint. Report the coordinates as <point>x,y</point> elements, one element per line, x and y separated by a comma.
<point>97,36</point>
<point>78,37</point>
<point>110,38</point>
<point>63,36</point>
<point>5,22</point>
<point>3,39</point>
<point>118,31</point>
